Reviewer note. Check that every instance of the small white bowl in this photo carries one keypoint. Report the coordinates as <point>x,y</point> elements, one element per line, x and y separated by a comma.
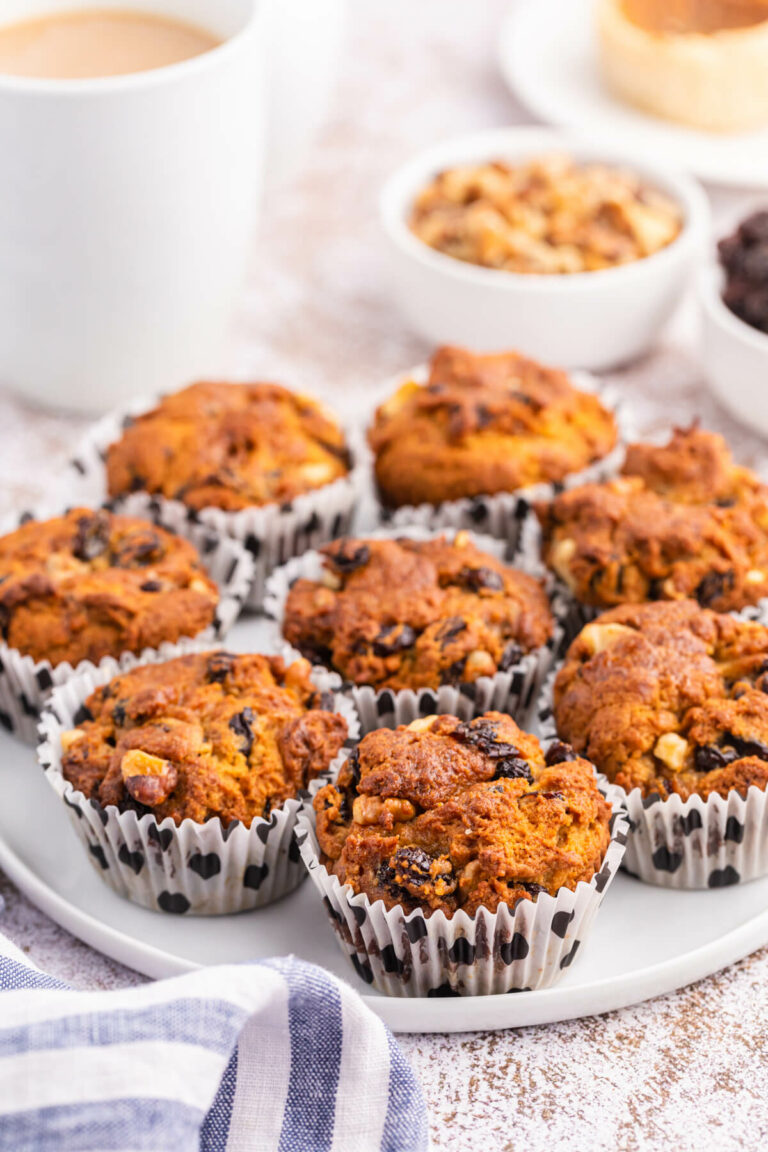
<point>734,356</point>
<point>586,319</point>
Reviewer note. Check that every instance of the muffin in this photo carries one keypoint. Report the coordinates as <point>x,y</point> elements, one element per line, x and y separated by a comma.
<point>259,463</point>
<point>417,615</point>
<point>682,521</point>
<point>669,701</point>
<point>229,446</point>
<point>90,583</point>
<point>185,776</point>
<point>484,425</point>
<point>444,814</point>
<point>442,824</point>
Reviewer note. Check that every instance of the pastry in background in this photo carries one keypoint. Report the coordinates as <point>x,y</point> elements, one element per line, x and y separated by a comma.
<point>703,63</point>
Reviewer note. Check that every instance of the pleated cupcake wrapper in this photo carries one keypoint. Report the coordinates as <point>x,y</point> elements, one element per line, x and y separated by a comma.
<point>25,683</point>
<point>410,954</point>
<point>514,690</point>
<point>272,533</point>
<point>693,843</point>
<point>200,869</point>
<point>502,515</point>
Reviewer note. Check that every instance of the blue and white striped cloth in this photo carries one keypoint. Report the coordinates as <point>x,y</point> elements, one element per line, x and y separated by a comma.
<point>274,1056</point>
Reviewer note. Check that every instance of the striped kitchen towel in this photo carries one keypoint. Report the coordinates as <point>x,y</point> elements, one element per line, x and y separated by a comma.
<point>274,1056</point>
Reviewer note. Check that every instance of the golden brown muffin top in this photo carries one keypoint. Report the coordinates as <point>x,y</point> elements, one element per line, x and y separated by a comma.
<point>443,814</point>
<point>212,734</point>
<point>229,446</point>
<point>416,614</point>
<point>669,697</point>
<point>483,425</point>
<point>93,584</point>
<point>682,521</point>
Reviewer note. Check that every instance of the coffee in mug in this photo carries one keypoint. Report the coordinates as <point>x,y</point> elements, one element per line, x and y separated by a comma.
<point>91,42</point>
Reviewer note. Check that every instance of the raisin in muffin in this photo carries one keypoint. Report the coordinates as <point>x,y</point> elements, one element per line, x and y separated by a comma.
<point>482,425</point>
<point>682,521</point>
<point>669,698</point>
<point>444,815</point>
<point>92,584</point>
<point>206,735</point>
<point>229,446</point>
<point>403,613</point>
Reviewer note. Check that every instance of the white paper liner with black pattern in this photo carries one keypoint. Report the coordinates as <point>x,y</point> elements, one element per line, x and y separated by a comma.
<point>271,533</point>
<point>200,869</point>
<point>25,683</point>
<point>502,515</point>
<point>513,691</point>
<point>410,954</point>
<point>693,843</point>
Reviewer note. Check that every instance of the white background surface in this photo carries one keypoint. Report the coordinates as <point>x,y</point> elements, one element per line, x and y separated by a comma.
<point>688,1071</point>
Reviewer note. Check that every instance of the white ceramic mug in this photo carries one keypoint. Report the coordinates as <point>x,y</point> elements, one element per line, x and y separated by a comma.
<point>126,208</point>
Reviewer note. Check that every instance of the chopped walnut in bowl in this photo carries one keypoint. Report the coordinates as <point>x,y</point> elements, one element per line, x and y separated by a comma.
<point>550,215</point>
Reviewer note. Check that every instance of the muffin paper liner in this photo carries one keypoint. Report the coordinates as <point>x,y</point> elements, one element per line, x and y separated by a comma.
<point>693,843</point>
<point>25,683</point>
<point>513,691</point>
<point>271,533</point>
<point>513,949</point>
<point>503,514</point>
<point>200,869</point>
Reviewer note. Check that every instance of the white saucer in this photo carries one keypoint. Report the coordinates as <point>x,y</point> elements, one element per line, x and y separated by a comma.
<point>548,57</point>
<point>646,940</point>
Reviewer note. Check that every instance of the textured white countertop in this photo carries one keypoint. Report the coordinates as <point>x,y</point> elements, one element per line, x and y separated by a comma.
<point>684,1072</point>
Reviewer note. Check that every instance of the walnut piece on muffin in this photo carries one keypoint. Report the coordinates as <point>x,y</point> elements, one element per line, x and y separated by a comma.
<point>416,614</point>
<point>229,446</point>
<point>484,424</point>
<point>91,584</point>
<point>445,815</point>
<point>683,521</point>
<point>213,734</point>
<point>669,698</point>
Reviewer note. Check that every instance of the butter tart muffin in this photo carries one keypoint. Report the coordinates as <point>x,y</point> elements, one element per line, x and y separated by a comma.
<point>192,770</point>
<point>229,446</point>
<point>211,734</point>
<point>443,822</point>
<point>434,616</point>
<point>92,584</point>
<point>443,814</point>
<point>259,463</point>
<point>682,521</point>
<point>484,425</point>
<point>669,700</point>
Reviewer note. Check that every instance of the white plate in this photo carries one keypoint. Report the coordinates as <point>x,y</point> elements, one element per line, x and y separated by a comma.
<point>548,57</point>
<point>646,940</point>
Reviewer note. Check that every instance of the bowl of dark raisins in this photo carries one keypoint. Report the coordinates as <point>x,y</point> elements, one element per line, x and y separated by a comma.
<point>734,305</point>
